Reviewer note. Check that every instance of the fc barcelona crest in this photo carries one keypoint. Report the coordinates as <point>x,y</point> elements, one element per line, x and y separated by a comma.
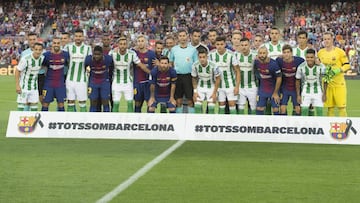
<point>341,130</point>
<point>27,124</point>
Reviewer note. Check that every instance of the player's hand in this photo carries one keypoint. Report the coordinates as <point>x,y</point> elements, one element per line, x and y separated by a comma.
<point>213,97</point>
<point>18,89</point>
<point>324,97</point>
<point>151,101</point>
<point>195,96</point>
<point>88,69</point>
<point>298,99</point>
<point>236,91</point>
<point>155,62</point>
<point>276,98</point>
<point>172,100</point>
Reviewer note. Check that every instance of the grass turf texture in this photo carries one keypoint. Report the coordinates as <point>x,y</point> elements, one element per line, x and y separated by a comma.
<point>74,170</point>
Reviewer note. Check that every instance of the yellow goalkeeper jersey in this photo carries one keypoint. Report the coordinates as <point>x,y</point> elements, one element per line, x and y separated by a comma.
<point>335,58</point>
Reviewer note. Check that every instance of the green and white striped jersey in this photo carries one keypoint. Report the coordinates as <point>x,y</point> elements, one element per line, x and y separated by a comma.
<point>274,50</point>
<point>311,77</point>
<point>246,64</point>
<point>122,65</point>
<point>29,68</point>
<point>299,52</point>
<point>225,63</point>
<point>77,72</point>
<point>206,75</point>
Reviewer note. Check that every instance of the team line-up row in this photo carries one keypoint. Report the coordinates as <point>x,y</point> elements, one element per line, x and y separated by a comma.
<point>272,73</point>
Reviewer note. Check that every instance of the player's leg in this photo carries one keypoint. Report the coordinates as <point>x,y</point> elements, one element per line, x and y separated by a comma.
<point>251,95</point>
<point>41,82</point>
<point>116,96</point>
<point>340,100</point>
<point>306,100</point>
<point>189,92</point>
<point>21,100</point>
<point>296,105</point>
<point>60,94</point>
<point>33,100</point>
<point>311,110</point>
<point>81,95</point>
<point>138,97</point>
<point>241,101</point>
<point>222,101</point>
<point>70,94</point>
<point>153,106</point>
<point>94,94</point>
<point>48,97</point>
<point>275,107</point>
<point>129,96</point>
<point>268,107</point>
<point>330,101</point>
<point>171,107</point>
<point>283,103</point>
<point>200,100</point>
<point>318,104</point>
<point>231,100</point>
<point>179,93</point>
<point>105,96</point>
<point>261,105</point>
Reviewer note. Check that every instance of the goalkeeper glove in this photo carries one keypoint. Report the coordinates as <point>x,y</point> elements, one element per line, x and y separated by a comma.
<point>335,71</point>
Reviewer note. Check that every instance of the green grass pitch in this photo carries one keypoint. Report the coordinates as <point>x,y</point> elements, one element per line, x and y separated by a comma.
<point>76,170</point>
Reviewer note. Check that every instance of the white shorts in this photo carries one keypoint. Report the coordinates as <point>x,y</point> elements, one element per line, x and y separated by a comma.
<point>227,93</point>
<point>76,90</point>
<point>204,94</point>
<point>126,89</point>
<point>314,99</point>
<point>28,96</point>
<point>247,93</point>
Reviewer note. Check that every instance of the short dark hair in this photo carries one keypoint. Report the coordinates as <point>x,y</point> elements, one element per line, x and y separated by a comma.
<point>164,58</point>
<point>287,46</point>
<point>32,34</point>
<point>39,44</point>
<point>195,30</point>
<point>213,30</point>
<point>79,30</point>
<point>310,51</point>
<point>159,42</point>
<point>98,48</point>
<point>220,38</point>
<point>302,32</point>
<point>65,33</point>
<point>202,51</point>
<point>244,39</point>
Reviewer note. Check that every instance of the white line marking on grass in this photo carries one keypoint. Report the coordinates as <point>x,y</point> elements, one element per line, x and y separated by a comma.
<point>116,191</point>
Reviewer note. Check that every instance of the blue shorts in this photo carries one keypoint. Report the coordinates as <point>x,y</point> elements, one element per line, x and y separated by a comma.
<point>263,99</point>
<point>96,91</point>
<point>163,100</point>
<point>49,93</point>
<point>286,96</point>
<point>141,91</point>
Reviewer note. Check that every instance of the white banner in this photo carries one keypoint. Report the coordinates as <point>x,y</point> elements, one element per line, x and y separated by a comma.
<point>290,129</point>
<point>94,125</point>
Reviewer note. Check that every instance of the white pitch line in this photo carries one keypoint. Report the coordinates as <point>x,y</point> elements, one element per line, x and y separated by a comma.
<point>116,191</point>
